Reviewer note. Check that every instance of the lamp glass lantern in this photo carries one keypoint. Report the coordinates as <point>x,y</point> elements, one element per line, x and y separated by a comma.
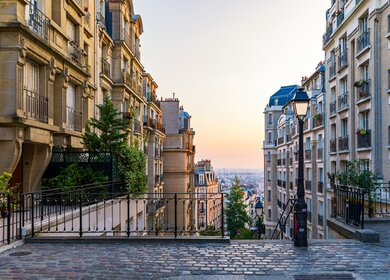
<point>300,103</point>
<point>259,209</point>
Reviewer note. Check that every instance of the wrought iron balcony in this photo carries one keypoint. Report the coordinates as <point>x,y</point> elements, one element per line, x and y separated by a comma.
<point>332,70</point>
<point>281,140</point>
<point>73,119</point>
<point>340,17</point>
<point>363,138</point>
<point>332,108</point>
<point>343,101</point>
<point>363,89</point>
<point>288,138</point>
<point>308,154</point>
<point>34,105</point>
<point>333,145</point>
<point>308,185</point>
<point>127,39</point>
<point>283,162</point>
<point>106,67</point>
<point>37,21</point>
<point>160,127</point>
<point>76,54</point>
<point>327,35</point>
<point>343,143</point>
<point>343,58</point>
<point>318,120</point>
<point>364,40</point>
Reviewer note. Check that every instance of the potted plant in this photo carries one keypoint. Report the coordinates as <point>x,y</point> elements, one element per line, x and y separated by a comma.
<point>361,131</point>
<point>360,83</point>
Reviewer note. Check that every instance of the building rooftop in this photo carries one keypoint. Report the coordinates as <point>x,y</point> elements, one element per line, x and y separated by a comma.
<point>282,96</point>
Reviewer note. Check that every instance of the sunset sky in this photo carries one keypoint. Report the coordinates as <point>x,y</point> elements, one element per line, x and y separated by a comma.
<point>224,58</point>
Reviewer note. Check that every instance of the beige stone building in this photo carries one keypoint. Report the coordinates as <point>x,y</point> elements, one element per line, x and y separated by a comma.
<point>208,197</point>
<point>179,166</point>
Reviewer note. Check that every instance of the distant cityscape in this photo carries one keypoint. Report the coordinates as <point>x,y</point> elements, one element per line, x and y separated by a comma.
<point>251,179</point>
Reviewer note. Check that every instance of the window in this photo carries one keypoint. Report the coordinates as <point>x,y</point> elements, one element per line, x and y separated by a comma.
<point>320,175</point>
<point>307,143</point>
<point>269,176</point>
<point>344,128</point>
<point>31,76</point>
<point>333,131</point>
<point>333,94</point>
<point>319,107</point>
<point>364,72</point>
<point>269,156</point>
<point>71,30</point>
<point>269,195</point>
<point>269,137</point>
<point>343,44</point>
<point>364,120</point>
<point>363,24</point>
<point>269,214</point>
<point>343,86</point>
<point>270,119</point>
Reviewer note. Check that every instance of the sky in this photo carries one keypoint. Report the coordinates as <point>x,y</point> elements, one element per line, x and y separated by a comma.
<point>224,58</point>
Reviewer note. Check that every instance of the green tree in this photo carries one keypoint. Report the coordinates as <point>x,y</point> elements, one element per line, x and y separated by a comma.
<point>236,216</point>
<point>113,131</point>
<point>356,174</point>
<point>112,127</point>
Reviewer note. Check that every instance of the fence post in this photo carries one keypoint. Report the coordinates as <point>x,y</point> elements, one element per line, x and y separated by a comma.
<point>223,217</point>
<point>362,203</point>
<point>347,206</point>
<point>81,216</point>
<point>9,219</point>
<point>175,215</point>
<point>128,215</point>
<point>21,203</point>
<point>32,215</point>
<point>335,203</point>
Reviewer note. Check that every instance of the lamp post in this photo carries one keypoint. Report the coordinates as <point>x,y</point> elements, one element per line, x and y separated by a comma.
<point>300,103</point>
<point>259,213</point>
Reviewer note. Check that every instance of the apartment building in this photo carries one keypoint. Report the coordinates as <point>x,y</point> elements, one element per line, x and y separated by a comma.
<point>47,82</point>
<point>179,166</point>
<point>208,199</point>
<point>272,113</point>
<point>356,45</point>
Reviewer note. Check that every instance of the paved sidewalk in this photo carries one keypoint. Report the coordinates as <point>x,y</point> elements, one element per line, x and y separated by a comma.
<point>239,260</point>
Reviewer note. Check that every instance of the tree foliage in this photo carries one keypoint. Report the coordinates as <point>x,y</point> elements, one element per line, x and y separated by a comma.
<point>108,134</point>
<point>236,216</point>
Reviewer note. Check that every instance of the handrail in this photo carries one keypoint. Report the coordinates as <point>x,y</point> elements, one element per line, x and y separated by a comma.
<point>280,224</point>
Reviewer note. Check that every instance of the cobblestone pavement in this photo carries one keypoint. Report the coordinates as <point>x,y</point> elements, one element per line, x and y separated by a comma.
<point>237,260</point>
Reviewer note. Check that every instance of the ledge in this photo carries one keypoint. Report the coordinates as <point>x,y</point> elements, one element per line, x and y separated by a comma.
<point>364,50</point>
<point>350,232</point>
<point>363,100</point>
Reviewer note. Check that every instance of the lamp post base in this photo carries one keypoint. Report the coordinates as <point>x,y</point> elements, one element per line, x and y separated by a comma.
<point>300,223</point>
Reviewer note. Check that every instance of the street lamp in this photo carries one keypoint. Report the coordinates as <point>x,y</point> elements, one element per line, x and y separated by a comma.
<point>300,103</point>
<point>259,213</point>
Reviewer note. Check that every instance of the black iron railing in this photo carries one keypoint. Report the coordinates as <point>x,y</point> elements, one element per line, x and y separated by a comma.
<point>340,17</point>
<point>363,138</point>
<point>377,203</point>
<point>332,70</point>
<point>364,40</point>
<point>327,35</point>
<point>320,187</point>
<point>363,90</point>
<point>343,101</point>
<point>343,58</point>
<point>35,106</point>
<point>76,54</point>
<point>320,220</point>
<point>284,185</point>
<point>280,227</point>
<point>279,182</point>
<point>308,154</point>
<point>343,143</point>
<point>333,145</point>
<point>349,204</point>
<point>318,120</point>
<point>332,108</point>
<point>38,22</point>
<point>74,119</point>
<point>280,140</point>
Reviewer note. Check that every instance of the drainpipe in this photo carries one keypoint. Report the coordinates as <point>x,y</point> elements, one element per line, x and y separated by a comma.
<point>325,157</point>
<point>377,102</point>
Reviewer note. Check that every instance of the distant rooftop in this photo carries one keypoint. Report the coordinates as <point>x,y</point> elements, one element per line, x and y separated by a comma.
<point>282,96</point>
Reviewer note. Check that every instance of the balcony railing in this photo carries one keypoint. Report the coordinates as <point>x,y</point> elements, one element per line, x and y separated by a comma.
<point>363,138</point>
<point>76,54</point>
<point>327,35</point>
<point>318,120</point>
<point>332,70</point>
<point>101,20</point>
<point>34,105</point>
<point>38,22</point>
<point>364,40</point>
<point>343,59</point>
<point>125,37</point>
<point>308,185</point>
<point>333,145</point>
<point>343,101</point>
<point>332,108</point>
<point>137,127</point>
<point>106,67</point>
<point>307,154</point>
<point>343,143</point>
<point>73,119</point>
<point>320,153</point>
<point>160,127</point>
<point>340,17</point>
<point>363,89</point>
<point>280,140</point>
<point>320,187</point>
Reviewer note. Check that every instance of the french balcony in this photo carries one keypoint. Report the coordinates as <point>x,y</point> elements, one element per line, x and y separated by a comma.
<point>137,127</point>
<point>308,185</point>
<point>340,17</point>
<point>160,127</point>
<point>101,20</point>
<point>106,67</point>
<point>343,143</point>
<point>328,34</point>
<point>332,70</point>
<point>363,89</point>
<point>320,187</point>
<point>37,21</point>
<point>280,140</point>
<point>76,54</point>
<point>364,40</point>
<point>318,120</point>
<point>127,39</point>
<point>73,119</point>
<point>333,145</point>
<point>307,154</point>
<point>332,108</point>
<point>320,153</point>
<point>34,105</point>
<point>363,138</point>
<point>343,101</point>
<point>343,58</point>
